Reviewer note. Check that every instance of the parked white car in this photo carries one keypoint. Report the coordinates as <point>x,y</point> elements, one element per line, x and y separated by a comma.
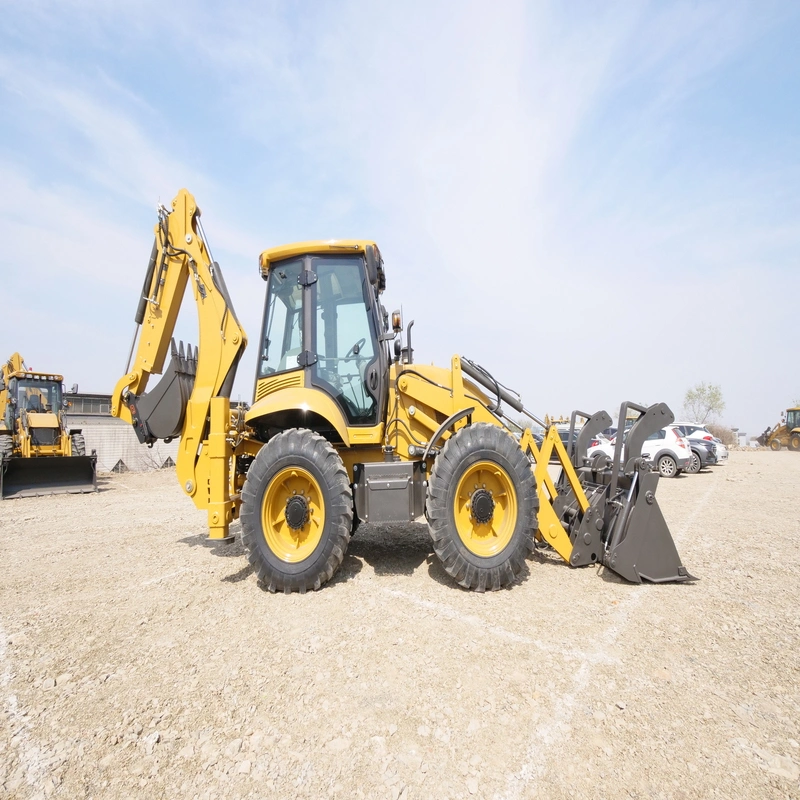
<point>666,449</point>
<point>722,451</point>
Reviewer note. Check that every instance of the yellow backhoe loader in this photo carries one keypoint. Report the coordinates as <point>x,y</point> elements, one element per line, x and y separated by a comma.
<point>39,453</point>
<point>345,428</point>
<point>785,434</point>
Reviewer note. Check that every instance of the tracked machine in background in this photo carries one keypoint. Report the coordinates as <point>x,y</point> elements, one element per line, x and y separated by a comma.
<point>39,453</point>
<point>345,428</point>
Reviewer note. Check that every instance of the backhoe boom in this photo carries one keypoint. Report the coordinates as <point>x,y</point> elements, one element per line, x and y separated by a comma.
<point>192,400</point>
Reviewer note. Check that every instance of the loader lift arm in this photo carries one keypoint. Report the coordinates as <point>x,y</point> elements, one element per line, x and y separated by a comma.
<point>192,399</point>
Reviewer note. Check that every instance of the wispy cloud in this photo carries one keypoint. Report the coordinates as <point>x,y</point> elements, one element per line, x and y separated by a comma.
<point>551,187</point>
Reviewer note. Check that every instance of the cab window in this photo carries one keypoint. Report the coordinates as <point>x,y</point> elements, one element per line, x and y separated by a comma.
<point>344,342</point>
<point>283,334</point>
<point>38,396</point>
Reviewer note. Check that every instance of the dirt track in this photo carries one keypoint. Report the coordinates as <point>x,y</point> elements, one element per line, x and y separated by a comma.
<point>136,662</point>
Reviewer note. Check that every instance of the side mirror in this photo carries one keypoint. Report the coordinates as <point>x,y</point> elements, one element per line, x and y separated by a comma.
<point>373,258</point>
<point>74,389</point>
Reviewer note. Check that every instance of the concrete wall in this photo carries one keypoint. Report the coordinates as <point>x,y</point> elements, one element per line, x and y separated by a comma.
<point>115,442</point>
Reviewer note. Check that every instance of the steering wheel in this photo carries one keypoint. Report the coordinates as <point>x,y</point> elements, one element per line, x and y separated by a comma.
<point>354,350</point>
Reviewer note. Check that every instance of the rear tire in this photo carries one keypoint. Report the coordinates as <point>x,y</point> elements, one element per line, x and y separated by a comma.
<point>481,507</point>
<point>695,465</point>
<point>297,512</point>
<point>668,467</point>
<point>775,445</point>
<point>78,444</point>
<point>794,442</point>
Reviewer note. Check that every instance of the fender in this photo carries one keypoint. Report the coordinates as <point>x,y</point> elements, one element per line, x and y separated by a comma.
<point>301,399</point>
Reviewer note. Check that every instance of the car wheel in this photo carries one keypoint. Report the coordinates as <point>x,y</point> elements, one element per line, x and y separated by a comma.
<point>667,467</point>
<point>695,465</point>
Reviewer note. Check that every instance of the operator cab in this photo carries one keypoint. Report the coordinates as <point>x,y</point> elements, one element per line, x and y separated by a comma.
<point>793,418</point>
<point>323,316</point>
<point>35,394</point>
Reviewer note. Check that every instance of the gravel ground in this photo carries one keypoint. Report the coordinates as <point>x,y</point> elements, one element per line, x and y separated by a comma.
<point>137,662</point>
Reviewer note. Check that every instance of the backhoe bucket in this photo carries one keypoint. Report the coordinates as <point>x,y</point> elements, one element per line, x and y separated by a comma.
<point>159,413</point>
<point>33,477</point>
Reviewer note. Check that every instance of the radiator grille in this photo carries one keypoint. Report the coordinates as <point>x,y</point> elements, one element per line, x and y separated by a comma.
<point>44,436</point>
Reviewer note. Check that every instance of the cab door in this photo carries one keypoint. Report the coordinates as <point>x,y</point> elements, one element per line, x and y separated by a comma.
<point>351,363</point>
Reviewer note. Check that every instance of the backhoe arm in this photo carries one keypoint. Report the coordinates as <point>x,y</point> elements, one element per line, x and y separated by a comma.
<point>192,400</point>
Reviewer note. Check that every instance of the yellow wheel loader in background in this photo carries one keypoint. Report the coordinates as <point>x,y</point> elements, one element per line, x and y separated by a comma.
<point>39,453</point>
<point>344,427</point>
<point>784,434</point>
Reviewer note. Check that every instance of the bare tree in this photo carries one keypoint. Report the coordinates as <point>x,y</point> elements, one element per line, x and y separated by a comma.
<point>726,434</point>
<point>703,402</point>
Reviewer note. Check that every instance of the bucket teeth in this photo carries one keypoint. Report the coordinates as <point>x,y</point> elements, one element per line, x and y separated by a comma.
<point>160,412</point>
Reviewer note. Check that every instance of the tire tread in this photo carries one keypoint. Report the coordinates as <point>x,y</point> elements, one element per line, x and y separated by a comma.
<point>463,567</point>
<point>298,442</point>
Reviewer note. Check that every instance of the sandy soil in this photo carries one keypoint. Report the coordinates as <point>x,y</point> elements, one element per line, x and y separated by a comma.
<point>137,662</point>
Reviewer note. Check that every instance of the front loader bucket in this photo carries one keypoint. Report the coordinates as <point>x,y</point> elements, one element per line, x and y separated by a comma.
<point>640,546</point>
<point>622,526</point>
<point>32,477</point>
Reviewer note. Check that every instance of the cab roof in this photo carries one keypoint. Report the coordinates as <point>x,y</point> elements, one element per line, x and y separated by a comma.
<point>37,376</point>
<point>330,246</point>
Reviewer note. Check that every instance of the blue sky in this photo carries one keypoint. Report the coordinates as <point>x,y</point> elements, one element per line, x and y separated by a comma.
<point>597,202</point>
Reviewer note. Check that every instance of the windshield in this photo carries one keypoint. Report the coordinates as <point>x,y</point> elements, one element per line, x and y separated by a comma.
<point>793,419</point>
<point>38,396</point>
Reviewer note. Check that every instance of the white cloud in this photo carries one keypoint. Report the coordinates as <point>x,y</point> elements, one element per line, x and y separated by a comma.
<point>519,166</point>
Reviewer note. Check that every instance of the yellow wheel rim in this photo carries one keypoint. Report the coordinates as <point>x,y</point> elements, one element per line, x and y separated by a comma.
<point>286,542</point>
<point>485,538</point>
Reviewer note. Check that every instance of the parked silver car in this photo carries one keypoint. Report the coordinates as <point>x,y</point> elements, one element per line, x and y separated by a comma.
<point>693,430</point>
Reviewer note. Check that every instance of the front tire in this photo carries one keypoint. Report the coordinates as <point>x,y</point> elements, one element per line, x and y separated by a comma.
<point>297,512</point>
<point>78,444</point>
<point>668,467</point>
<point>695,465</point>
<point>481,507</point>
<point>775,445</point>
